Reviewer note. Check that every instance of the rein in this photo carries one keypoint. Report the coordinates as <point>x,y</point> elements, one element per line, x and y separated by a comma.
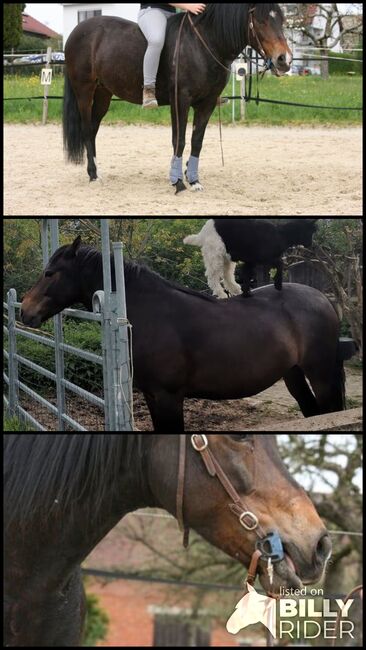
<point>251,30</point>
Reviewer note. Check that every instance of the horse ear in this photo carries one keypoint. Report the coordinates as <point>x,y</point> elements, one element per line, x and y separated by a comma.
<point>76,245</point>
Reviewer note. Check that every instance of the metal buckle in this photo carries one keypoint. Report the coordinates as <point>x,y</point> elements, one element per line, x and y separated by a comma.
<point>203,439</point>
<point>254,519</point>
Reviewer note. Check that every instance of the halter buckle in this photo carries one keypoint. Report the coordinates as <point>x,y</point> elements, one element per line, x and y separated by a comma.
<point>204,441</point>
<point>253,520</point>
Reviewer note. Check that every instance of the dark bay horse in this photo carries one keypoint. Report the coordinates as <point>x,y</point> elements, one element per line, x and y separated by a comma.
<point>189,345</point>
<point>104,57</point>
<point>65,492</point>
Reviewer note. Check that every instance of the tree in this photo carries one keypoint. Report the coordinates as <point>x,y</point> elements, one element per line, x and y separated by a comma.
<point>334,27</point>
<point>12,24</point>
<point>338,250</point>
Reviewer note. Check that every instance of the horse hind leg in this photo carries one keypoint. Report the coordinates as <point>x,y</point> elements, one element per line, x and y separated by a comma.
<point>85,103</point>
<point>101,103</point>
<point>299,389</point>
<point>329,388</point>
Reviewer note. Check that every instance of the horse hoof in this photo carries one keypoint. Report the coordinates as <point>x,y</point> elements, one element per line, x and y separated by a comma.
<point>98,179</point>
<point>196,187</point>
<point>179,186</point>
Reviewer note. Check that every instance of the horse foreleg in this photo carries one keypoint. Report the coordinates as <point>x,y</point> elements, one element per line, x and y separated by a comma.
<point>202,114</point>
<point>166,410</point>
<point>179,126</point>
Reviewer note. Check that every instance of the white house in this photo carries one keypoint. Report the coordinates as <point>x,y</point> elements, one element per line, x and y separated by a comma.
<point>75,13</point>
<point>302,45</point>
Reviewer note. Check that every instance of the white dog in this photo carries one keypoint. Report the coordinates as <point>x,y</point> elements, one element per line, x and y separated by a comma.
<point>219,266</point>
<point>249,241</point>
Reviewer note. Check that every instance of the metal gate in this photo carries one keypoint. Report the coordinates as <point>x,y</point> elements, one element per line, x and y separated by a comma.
<point>109,309</point>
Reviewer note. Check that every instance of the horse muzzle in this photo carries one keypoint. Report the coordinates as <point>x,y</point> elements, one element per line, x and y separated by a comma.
<point>281,64</point>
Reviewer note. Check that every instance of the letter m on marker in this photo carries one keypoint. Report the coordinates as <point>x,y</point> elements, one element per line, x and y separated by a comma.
<point>46,76</point>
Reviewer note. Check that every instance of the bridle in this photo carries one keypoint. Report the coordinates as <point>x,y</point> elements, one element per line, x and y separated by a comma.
<point>268,64</point>
<point>268,546</point>
<point>258,46</point>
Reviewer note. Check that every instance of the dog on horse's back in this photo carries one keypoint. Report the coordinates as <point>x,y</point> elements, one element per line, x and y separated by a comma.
<point>225,242</point>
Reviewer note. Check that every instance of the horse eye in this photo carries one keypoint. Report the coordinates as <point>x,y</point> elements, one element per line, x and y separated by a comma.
<point>48,274</point>
<point>241,438</point>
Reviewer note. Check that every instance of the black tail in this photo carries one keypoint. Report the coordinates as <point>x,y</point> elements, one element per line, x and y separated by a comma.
<point>339,387</point>
<point>347,349</point>
<point>73,136</point>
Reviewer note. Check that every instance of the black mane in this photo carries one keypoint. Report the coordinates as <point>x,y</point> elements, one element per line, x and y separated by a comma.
<point>228,22</point>
<point>92,259</point>
<point>86,255</point>
<point>143,273</point>
<point>48,474</point>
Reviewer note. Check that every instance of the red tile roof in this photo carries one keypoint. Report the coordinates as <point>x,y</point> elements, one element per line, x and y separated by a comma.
<point>33,26</point>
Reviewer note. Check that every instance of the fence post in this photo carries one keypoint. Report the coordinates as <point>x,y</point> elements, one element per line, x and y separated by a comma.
<point>123,369</point>
<point>59,353</point>
<point>13,364</point>
<point>46,87</point>
<point>107,326</point>
<point>98,308</point>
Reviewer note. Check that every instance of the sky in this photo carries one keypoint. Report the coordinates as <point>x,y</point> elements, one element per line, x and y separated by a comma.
<point>314,481</point>
<point>50,13</point>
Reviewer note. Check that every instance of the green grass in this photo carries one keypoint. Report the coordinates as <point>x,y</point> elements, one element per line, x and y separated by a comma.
<point>337,91</point>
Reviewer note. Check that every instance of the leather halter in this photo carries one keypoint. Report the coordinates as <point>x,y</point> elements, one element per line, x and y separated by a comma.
<point>268,546</point>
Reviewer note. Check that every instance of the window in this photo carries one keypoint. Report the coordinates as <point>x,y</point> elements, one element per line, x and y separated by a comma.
<point>179,632</point>
<point>84,15</point>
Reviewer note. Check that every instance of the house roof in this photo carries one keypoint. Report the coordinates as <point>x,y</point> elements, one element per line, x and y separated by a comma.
<point>33,26</point>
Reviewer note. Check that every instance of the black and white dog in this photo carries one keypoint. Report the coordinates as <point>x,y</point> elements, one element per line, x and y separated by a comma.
<point>252,241</point>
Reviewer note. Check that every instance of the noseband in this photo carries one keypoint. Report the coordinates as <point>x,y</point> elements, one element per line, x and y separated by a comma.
<point>268,546</point>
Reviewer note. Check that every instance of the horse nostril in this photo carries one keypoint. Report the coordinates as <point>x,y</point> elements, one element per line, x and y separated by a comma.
<point>281,59</point>
<point>324,548</point>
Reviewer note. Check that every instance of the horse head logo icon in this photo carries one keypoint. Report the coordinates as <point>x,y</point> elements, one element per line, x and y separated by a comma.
<point>253,608</point>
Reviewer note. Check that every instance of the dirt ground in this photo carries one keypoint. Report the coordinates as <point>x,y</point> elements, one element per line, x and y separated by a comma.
<point>268,171</point>
<point>266,409</point>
